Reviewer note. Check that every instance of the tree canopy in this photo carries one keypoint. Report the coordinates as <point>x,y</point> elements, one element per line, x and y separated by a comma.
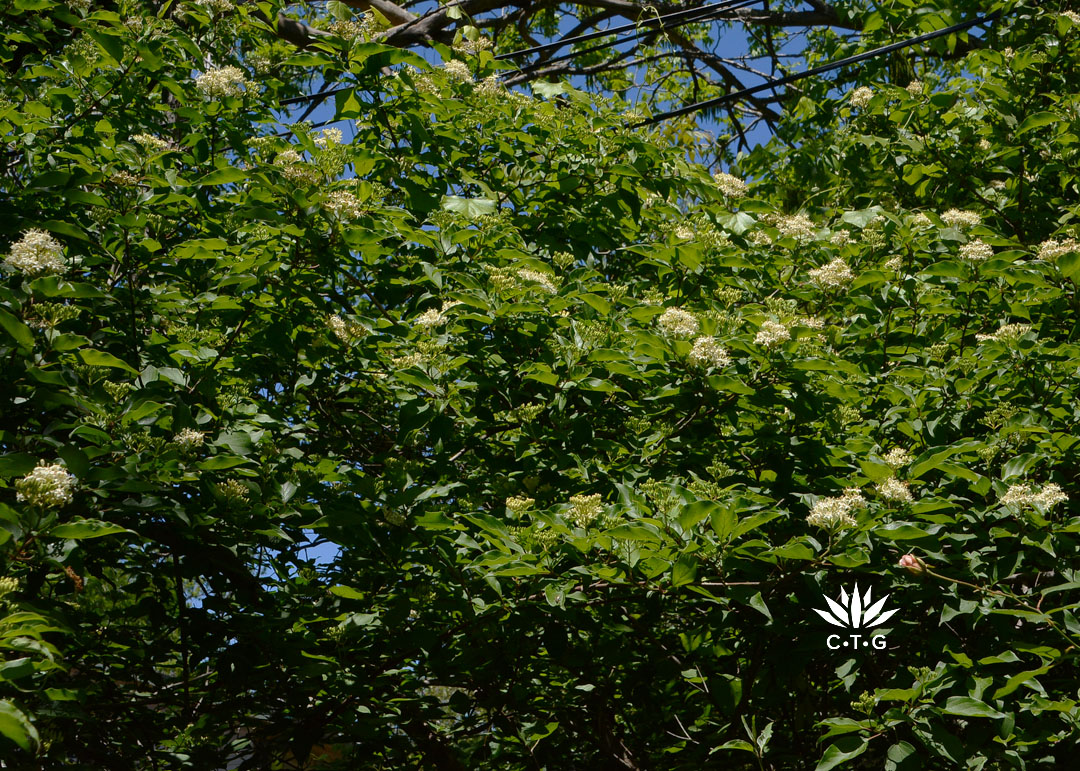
<point>483,430</point>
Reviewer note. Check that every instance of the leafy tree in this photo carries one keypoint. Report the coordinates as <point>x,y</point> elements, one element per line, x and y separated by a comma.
<point>592,431</point>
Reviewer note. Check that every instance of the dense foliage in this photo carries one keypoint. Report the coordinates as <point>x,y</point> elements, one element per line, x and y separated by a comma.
<point>582,432</point>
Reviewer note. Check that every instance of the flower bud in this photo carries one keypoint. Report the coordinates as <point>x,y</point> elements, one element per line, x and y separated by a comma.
<point>913,565</point>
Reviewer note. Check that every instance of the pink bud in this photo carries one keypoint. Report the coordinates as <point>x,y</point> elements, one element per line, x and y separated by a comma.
<point>913,564</point>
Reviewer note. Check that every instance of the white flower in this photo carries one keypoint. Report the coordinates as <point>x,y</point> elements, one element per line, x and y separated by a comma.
<point>473,47</point>
<point>329,138</point>
<point>215,6</point>
<point>491,86</point>
<point>1072,16</point>
<point>840,238</point>
<point>835,275</point>
<point>343,205</point>
<point>1008,334</point>
<point>730,185</point>
<point>678,323</point>
<point>1051,250</point>
<point>771,333</point>
<point>897,457</point>
<point>861,96</point>
<point>47,486</point>
<point>914,88</point>
<point>458,70</point>
<point>429,318</point>
<point>892,489</point>
<point>223,81</point>
<point>346,331</point>
<point>797,226</point>
<point>1051,494</point>
<point>961,218</point>
<point>984,145</point>
<point>920,221</point>
<point>544,281</point>
<point>150,143</point>
<point>36,253</point>
<point>586,508</point>
<point>708,353</point>
<point>8,584</point>
<point>1023,495</point>
<point>294,168</point>
<point>836,513</point>
<point>189,439</point>
<point>976,251</point>
<point>894,263</point>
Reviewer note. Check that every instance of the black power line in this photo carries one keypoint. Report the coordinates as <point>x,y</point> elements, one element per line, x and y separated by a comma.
<point>689,15</point>
<point>719,100</point>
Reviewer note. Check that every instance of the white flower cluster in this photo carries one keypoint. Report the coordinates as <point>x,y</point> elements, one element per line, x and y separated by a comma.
<point>47,486</point>
<point>840,238</point>
<point>150,143</point>
<point>458,70</point>
<point>892,489</point>
<point>491,86</point>
<point>730,185</point>
<point>678,323</point>
<point>708,353</point>
<point>861,96</point>
<point>215,6</point>
<point>343,205</point>
<point>914,88</point>
<point>976,251</point>
<point>294,168</point>
<point>961,218</point>
<point>1008,334</point>
<point>473,47</point>
<point>835,275</point>
<point>330,137</point>
<point>897,457</point>
<point>35,254</point>
<point>837,512</point>
<point>1051,249</point>
<point>8,585</point>
<point>586,508</point>
<point>542,280</point>
<point>1072,16</point>
<point>920,221</point>
<point>223,81</point>
<point>346,330</point>
<point>772,333</point>
<point>189,439</point>
<point>797,226</point>
<point>1023,495</point>
<point>428,319</point>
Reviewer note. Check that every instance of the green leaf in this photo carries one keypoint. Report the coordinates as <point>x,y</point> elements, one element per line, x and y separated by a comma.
<point>102,359</point>
<point>86,528</point>
<point>222,177</point>
<point>694,512</point>
<point>900,532</point>
<point>684,571</point>
<point>347,592</point>
<point>841,751</point>
<point>470,208</point>
<point>17,726</point>
<point>1035,121</point>
<point>966,706</point>
<point>18,331</point>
